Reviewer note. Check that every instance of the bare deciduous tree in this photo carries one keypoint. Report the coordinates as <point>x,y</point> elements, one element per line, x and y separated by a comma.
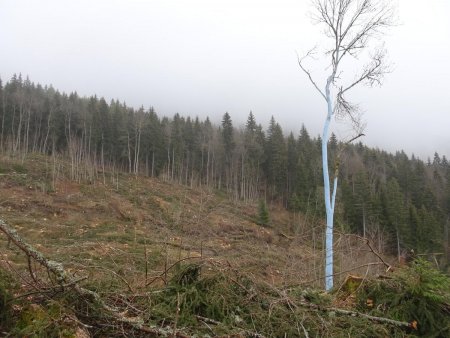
<point>350,26</point>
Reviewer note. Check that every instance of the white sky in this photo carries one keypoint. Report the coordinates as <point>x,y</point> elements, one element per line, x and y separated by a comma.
<point>205,57</point>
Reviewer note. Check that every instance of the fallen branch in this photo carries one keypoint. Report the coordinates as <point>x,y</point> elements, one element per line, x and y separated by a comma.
<point>52,266</point>
<point>64,280</point>
<point>242,332</point>
<point>49,290</point>
<point>208,320</point>
<point>164,273</point>
<point>397,323</point>
<point>110,271</point>
<point>283,294</point>
<point>376,253</point>
<point>387,265</point>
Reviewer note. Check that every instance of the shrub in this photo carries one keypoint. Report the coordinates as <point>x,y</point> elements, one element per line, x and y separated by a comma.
<point>418,293</point>
<point>263,213</point>
<point>6,284</point>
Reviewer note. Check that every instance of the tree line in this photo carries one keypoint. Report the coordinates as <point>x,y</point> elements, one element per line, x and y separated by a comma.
<point>402,200</point>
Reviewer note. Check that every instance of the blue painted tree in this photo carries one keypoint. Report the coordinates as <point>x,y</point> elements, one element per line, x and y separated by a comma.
<point>350,27</point>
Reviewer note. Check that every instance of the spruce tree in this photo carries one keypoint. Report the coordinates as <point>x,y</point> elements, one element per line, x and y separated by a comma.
<point>227,136</point>
<point>276,159</point>
<point>263,213</point>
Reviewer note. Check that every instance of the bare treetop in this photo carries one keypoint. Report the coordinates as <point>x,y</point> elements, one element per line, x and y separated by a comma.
<point>352,22</point>
<point>351,25</point>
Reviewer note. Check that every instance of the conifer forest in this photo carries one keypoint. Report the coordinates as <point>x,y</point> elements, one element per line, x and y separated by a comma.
<point>119,222</point>
<point>405,201</point>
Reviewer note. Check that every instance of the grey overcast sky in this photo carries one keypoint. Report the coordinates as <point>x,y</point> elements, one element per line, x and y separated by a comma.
<point>205,57</point>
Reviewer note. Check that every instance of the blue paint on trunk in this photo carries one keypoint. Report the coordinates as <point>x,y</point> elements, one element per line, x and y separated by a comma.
<point>329,201</point>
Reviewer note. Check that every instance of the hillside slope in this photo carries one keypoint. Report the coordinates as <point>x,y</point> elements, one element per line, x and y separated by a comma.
<point>92,222</point>
<point>131,235</point>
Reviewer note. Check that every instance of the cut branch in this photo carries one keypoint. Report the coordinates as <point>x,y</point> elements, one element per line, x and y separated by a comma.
<point>313,306</point>
<point>65,280</point>
<point>376,253</point>
<point>52,266</point>
<point>362,315</point>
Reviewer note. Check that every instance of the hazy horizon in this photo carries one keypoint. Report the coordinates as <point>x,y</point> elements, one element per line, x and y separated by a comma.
<point>207,58</point>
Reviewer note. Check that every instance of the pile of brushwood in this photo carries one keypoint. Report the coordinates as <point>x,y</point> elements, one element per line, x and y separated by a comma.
<point>419,292</point>
<point>211,298</point>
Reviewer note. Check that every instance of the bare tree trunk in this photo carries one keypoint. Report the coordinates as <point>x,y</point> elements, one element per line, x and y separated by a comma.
<point>329,199</point>
<point>137,148</point>
<point>103,162</point>
<point>173,163</point>
<point>19,129</point>
<point>242,192</point>
<point>168,162</point>
<point>26,135</point>
<point>3,121</point>
<point>153,163</point>
<point>37,135</point>
<point>207,168</point>
<point>54,171</point>
<point>446,241</point>
<point>129,153</point>
<point>350,24</point>
<point>364,221</point>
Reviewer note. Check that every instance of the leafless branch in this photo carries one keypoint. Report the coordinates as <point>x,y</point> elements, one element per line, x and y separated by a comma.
<point>372,73</point>
<point>64,279</point>
<point>371,18</point>
<point>351,24</point>
<point>307,72</point>
<point>355,138</point>
<point>371,249</point>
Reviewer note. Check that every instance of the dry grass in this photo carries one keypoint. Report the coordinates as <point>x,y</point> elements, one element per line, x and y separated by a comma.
<point>85,224</point>
<point>129,238</point>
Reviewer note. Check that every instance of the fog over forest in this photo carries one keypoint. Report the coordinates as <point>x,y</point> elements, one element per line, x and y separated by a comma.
<point>206,58</point>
